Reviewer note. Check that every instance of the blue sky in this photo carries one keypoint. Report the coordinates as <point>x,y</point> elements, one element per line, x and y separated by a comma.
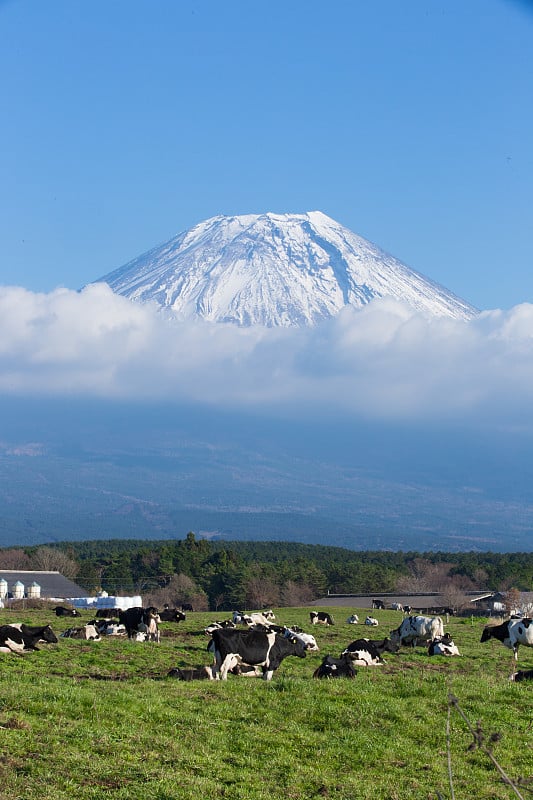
<point>411,123</point>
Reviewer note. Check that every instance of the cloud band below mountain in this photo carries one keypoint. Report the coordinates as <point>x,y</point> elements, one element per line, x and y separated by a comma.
<point>384,361</point>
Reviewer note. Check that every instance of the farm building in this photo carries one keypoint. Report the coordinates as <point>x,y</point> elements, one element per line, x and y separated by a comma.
<point>18,584</point>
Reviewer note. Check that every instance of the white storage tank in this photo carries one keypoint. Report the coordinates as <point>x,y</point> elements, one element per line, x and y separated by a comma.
<point>18,590</point>
<point>3,588</point>
<point>34,591</point>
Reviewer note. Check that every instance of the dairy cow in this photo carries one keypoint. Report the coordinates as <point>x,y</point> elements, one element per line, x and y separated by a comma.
<point>335,668</point>
<point>321,617</point>
<point>512,633</point>
<point>443,646</point>
<point>233,647</point>
<point>367,653</point>
<point>417,629</point>
<point>22,638</point>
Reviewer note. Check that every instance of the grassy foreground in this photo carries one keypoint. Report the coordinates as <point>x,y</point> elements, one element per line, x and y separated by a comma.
<point>88,720</point>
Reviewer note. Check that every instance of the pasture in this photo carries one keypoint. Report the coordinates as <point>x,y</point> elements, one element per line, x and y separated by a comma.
<point>84,720</point>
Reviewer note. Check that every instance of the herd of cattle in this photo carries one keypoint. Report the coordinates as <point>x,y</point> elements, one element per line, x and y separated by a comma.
<point>260,645</point>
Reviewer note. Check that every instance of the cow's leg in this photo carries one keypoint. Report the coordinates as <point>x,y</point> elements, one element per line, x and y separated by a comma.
<point>231,660</point>
<point>267,674</point>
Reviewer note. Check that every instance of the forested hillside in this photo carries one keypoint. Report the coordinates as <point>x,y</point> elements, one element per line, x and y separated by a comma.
<point>215,575</point>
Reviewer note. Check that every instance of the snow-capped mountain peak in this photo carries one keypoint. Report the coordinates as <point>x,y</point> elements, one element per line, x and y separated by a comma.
<point>275,270</point>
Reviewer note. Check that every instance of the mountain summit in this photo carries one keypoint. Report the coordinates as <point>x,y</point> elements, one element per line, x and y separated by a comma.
<point>275,270</point>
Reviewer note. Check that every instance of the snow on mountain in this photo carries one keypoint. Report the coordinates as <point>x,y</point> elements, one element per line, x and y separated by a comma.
<point>275,270</point>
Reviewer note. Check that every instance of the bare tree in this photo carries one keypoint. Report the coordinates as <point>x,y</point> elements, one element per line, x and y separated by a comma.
<point>296,594</point>
<point>180,589</point>
<point>261,592</point>
<point>453,596</point>
<point>14,559</point>
<point>55,560</point>
<point>512,601</point>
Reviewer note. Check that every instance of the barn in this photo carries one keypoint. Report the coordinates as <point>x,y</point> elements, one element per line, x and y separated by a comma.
<point>37,585</point>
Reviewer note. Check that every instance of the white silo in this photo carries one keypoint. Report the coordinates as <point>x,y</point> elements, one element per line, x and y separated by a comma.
<point>3,588</point>
<point>18,590</point>
<point>34,591</point>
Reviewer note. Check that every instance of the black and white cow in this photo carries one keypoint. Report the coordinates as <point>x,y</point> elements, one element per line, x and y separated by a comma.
<point>522,675</point>
<point>255,648</point>
<point>63,611</point>
<point>417,629</point>
<point>193,674</point>
<point>307,639</point>
<point>378,604</point>
<point>171,615</point>
<point>140,620</point>
<point>367,653</point>
<point>353,619</point>
<point>21,638</point>
<point>372,621</point>
<point>396,607</point>
<point>88,631</point>
<point>321,617</point>
<point>443,646</point>
<point>335,668</point>
<point>512,633</point>
<point>240,618</point>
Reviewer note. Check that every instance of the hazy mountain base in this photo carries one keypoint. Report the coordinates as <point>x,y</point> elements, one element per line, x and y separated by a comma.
<point>92,471</point>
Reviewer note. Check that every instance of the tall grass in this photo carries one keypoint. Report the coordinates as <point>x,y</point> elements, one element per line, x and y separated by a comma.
<point>91,719</point>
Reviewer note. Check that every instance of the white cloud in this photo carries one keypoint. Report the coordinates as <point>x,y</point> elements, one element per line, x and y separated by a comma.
<point>384,361</point>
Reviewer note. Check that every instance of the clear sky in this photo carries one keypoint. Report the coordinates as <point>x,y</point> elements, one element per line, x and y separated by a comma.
<point>126,122</point>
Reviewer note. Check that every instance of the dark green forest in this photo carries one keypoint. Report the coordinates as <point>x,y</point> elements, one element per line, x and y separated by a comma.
<point>226,575</point>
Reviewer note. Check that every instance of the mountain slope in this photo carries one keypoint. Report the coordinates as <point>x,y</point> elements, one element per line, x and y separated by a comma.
<point>275,270</point>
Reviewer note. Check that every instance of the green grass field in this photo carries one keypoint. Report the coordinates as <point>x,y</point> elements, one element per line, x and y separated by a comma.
<point>88,720</point>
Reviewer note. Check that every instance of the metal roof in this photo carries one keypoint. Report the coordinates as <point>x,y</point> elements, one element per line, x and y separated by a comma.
<point>52,584</point>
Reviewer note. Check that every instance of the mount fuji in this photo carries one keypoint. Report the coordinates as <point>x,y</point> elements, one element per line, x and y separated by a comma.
<point>275,270</point>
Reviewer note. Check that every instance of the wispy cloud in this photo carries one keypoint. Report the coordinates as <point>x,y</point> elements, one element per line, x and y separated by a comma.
<point>384,361</point>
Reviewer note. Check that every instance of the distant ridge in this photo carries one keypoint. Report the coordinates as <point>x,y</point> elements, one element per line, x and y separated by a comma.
<point>275,270</point>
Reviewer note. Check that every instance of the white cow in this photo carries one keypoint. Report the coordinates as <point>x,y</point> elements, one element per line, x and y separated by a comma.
<point>371,621</point>
<point>353,619</point>
<point>418,629</point>
<point>307,639</point>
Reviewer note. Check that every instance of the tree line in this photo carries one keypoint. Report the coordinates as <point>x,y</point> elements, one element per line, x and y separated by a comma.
<point>219,575</point>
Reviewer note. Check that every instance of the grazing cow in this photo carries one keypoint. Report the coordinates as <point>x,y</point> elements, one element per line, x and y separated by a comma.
<point>396,606</point>
<point>22,638</point>
<point>378,604</point>
<point>371,621</point>
<point>62,611</point>
<point>138,619</point>
<point>321,617</point>
<point>512,633</point>
<point>186,607</point>
<point>335,668</point>
<point>267,650</point>
<point>353,619</point>
<point>522,675</point>
<point>198,674</point>
<point>417,629</point>
<point>171,615</point>
<point>367,653</point>
<point>88,631</point>
<point>443,646</point>
<point>407,609</point>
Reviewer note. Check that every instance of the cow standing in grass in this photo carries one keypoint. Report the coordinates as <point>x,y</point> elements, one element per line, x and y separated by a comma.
<point>511,634</point>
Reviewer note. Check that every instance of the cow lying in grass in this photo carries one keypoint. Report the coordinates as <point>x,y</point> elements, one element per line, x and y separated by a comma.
<point>21,638</point>
<point>335,668</point>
